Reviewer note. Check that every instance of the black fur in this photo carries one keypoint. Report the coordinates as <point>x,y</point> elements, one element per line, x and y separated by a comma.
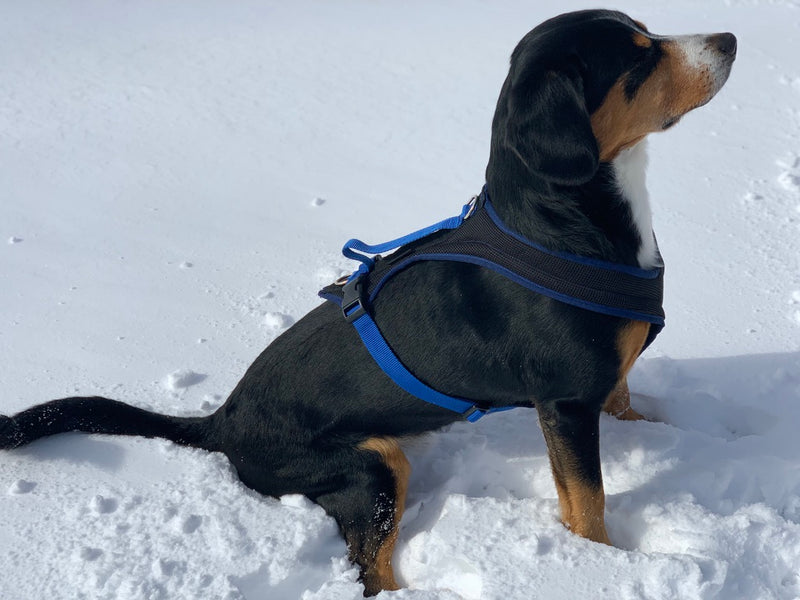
<point>295,421</point>
<point>99,415</point>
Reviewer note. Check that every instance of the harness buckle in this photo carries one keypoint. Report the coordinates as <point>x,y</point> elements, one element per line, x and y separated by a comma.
<point>470,207</point>
<point>353,300</point>
<point>474,413</point>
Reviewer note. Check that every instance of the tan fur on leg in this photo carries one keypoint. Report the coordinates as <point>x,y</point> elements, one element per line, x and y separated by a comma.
<point>629,345</point>
<point>582,508</point>
<point>619,403</point>
<point>381,575</point>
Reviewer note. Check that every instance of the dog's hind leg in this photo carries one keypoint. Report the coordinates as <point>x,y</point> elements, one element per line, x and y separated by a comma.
<point>618,403</point>
<point>630,341</point>
<point>571,430</point>
<point>368,510</point>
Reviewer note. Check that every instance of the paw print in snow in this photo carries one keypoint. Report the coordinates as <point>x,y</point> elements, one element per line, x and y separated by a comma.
<point>789,179</point>
<point>796,302</point>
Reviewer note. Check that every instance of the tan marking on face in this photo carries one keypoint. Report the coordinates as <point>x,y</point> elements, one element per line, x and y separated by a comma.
<point>675,87</point>
<point>380,575</point>
<point>640,25</point>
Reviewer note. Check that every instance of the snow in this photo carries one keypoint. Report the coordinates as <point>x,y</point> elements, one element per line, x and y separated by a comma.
<point>176,180</point>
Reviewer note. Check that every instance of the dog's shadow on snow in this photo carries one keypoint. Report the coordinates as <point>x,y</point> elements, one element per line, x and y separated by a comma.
<point>698,407</point>
<point>79,449</point>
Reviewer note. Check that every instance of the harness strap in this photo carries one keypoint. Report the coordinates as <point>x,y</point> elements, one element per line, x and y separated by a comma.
<point>354,310</point>
<point>599,286</point>
<point>387,360</point>
<point>353,248</point>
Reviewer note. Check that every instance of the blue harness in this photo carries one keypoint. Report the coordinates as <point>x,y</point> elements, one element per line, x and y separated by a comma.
<point>479,237</point>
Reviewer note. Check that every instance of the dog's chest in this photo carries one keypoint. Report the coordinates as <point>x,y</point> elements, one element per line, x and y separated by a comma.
<point>629,172</point>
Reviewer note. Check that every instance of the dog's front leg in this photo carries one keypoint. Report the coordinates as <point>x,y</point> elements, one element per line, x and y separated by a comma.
<point>571,430</point>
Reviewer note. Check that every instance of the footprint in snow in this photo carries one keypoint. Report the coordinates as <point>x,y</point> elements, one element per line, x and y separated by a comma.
<point>751,197</point>
<point>90,554</point>
<point>793,82</point>
<point>14,240</point>
<point>795,300</point>
<point>182,379</point>
<point>166,568</point>
<point>277,320</point>
<point>331,273</point>
<point>191,524</point>
<point>20,486</point>
<point>211,402</point>
<point>102,506</point>
<point>318,202</point>
<point>789,179</point>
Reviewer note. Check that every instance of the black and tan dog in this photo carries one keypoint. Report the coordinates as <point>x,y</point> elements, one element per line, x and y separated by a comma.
<point>315,415</point>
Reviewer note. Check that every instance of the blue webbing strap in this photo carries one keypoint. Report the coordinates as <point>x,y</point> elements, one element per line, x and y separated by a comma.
<point>352,248</point>
<point>391,365</point>
<point>356,313</point>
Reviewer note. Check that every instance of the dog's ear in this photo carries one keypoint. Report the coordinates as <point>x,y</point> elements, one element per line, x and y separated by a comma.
<point>549,129</point>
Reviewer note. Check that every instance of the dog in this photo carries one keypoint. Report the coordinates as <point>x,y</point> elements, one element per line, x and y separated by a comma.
<point>315,415</point>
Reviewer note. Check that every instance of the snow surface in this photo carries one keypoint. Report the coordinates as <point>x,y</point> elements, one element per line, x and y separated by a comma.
<point>175,181</point>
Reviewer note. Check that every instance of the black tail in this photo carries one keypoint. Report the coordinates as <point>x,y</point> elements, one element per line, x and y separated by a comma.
<point>100,415</point>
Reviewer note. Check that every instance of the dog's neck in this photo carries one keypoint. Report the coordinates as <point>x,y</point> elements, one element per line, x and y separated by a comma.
<point>608,217</point>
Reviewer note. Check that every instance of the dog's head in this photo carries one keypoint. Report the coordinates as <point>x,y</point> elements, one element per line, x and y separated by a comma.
<point>585,85</point>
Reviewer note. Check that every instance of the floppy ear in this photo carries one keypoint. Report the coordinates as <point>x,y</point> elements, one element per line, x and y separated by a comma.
<point>549,130</point>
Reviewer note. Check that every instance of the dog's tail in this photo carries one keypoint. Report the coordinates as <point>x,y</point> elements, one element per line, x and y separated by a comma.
<point>100,415</point>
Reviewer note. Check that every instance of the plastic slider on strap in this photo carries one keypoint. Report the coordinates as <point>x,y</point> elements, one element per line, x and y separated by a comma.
<point>353,300</point>
<point>474,413</point>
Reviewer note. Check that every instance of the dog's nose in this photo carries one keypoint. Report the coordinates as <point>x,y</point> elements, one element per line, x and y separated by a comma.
<point>724,43</point>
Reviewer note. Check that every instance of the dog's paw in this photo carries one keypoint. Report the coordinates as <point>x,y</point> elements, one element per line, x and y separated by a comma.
<point>630,415</point>
<point>10,434</point>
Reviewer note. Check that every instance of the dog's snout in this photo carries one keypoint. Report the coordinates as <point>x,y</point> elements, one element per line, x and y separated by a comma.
<point>724,43</point>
